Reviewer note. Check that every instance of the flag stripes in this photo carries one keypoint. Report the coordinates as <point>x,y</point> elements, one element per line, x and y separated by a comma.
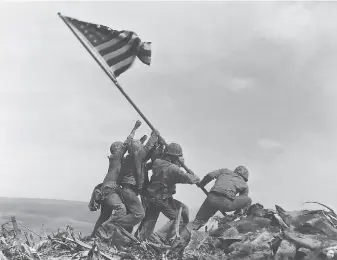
<point>118,49</point>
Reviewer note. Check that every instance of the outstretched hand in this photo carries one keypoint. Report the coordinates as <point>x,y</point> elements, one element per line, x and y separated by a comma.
<point>138,124</point>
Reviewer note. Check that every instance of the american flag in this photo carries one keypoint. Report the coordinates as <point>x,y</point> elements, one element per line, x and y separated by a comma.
<point>117,48</point>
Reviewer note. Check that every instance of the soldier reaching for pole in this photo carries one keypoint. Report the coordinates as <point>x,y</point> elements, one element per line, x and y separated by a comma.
<point>132,181</point>
<point>222,197</point>
<point>166,174</point>
<point>109,189</point>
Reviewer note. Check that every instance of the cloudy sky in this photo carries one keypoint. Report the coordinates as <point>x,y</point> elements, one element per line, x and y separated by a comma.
<point>234,83</point>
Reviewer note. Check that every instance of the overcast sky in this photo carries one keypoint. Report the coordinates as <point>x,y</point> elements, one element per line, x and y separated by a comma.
<point>234,83</point>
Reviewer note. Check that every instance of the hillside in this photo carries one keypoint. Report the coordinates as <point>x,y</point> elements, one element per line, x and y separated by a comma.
<point>256,234</point>
<point>53,214</point>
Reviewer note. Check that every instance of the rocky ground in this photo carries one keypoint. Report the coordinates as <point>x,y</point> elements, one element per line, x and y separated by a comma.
<point>257,234</point>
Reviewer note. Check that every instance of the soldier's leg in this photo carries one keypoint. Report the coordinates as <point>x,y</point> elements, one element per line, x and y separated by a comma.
<point>104,216</point>
<point>207,210</point>
<point>149,222</point>
<point>171,209</point>
<point>135,210</point>
<point>239,203</point>
<point>111,202</point>
<point>161,236</point>
<point>185,213</point>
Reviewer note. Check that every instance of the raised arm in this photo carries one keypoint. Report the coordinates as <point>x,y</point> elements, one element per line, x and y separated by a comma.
<point>152,142</point>
<point>212,175</point>
<point>158,152</point>
<point>128,140</point>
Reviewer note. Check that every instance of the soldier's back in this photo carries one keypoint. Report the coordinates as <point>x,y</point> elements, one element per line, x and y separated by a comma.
<point>228,181</point>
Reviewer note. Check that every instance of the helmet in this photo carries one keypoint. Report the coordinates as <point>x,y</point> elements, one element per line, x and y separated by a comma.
<point>115,147</point>
<point>242,171</point>
<point>135,146</point>
<point>174,149</point>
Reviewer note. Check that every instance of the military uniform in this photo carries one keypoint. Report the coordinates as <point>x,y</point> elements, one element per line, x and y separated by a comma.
<point>110,189</point>
<point>160,194</point>
<point>132,181</point>
<point>222,197</point>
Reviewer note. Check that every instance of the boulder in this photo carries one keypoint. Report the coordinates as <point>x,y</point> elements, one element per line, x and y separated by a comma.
<point>286,249</point>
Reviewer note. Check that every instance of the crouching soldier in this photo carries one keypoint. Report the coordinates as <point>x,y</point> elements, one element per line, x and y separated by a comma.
<point>222,197</point>
<point>110,189</point>
<point>166,173</point>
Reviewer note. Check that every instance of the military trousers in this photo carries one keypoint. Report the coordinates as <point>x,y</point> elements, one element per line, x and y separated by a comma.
<point>112,201</point>
<point>170,208</point>
<point>218,202</point>
<point>134,209</point>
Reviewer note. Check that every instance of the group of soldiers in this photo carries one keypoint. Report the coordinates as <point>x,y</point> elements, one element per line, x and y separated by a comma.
<point>130,163</point>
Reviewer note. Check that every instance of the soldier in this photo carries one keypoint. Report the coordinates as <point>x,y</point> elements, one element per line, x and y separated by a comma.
<point>110,189</point>
<point>166,174</point>
<point>222,196</point>
<point>156,152</point>
<point>132,180</point>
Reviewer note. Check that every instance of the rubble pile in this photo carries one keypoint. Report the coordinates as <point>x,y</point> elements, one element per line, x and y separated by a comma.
<point>256,234</point>
<point>272,234</point>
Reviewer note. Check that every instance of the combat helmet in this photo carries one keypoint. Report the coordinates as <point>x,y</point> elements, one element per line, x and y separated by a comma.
<point>174,149</point>
<point>115,147</point>
<point>243,172</point>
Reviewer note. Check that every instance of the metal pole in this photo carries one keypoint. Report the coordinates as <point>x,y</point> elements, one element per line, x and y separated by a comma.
<point>114,80</point>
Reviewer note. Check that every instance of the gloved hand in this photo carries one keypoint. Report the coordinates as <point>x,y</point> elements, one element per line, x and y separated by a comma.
<point>155,132</point>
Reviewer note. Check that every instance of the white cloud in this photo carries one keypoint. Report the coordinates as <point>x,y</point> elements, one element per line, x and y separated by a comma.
<point>269,144</point>
<point>289,22</point>
<point>238,84</point>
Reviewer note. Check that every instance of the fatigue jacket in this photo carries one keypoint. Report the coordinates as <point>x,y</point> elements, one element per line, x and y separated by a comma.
<point>165,175</point>
<point>227,183</point>
<point>132,171</point>
<point>115,162</point>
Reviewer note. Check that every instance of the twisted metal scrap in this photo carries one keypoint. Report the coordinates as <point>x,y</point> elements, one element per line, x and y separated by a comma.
<point>331,210</point>
<point>329,217</point>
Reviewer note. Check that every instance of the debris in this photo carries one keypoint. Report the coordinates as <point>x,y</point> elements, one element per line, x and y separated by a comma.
<point>286,249</point>
<point>258,233</point>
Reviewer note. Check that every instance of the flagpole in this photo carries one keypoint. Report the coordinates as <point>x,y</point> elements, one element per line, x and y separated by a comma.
<point>114,80</point>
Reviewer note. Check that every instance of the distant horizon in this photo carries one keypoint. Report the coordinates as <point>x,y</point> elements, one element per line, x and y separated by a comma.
<point>4,197</point>
<point>194,208</point>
